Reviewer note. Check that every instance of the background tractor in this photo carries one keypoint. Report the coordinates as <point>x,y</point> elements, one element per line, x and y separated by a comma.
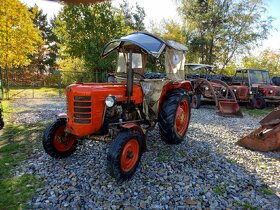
<point>127,108</point>
<point>207,86</point>
<point>255,88</point>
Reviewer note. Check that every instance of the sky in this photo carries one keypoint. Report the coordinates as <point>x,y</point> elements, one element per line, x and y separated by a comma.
<point>156,10</point>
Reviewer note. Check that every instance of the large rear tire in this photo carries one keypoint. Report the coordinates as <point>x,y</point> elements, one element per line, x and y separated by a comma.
<point>56,142</point>
<point>174,117</point>
<point>125,154</point>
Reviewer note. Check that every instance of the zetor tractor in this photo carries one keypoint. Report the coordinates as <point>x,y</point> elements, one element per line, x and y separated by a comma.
<point>255,88</point>
<point>125,110</point>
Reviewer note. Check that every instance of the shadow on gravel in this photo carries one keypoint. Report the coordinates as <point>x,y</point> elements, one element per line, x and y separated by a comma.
<point>190,175</point>
<point>200,173</point>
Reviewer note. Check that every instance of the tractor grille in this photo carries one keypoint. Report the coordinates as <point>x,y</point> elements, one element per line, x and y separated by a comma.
<point>277,93</point>
<point>243,92</point>
<point>82,109</point>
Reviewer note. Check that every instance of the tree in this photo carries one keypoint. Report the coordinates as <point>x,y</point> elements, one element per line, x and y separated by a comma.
<point>47,53</point>
<point>18,36</point>
<point>267,59</point>
<point>133,16</point>
<point>83,31</point>
<point>167,30</point>
<point>219,29</point>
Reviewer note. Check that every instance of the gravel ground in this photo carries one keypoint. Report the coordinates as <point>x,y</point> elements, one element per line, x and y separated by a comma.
<point>206,171</point>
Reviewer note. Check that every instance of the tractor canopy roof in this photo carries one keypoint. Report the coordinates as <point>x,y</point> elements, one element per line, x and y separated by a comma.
<point>253,76</point>
<point>251,70</point>
<point>196,67</point>
<point>141,42</point>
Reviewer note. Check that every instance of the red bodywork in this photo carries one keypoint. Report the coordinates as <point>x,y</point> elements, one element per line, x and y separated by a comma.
<point>92,111</point>
<point>86,103</point>
<point>270,92</point>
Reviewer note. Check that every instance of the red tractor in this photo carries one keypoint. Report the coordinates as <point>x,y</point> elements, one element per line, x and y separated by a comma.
<point>125,110</point>
<point>255,88</point>
<point>207,86</point>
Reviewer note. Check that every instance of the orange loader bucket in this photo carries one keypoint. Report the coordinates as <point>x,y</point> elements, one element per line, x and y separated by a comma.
<point>229,108</point>
<point>267,137</point>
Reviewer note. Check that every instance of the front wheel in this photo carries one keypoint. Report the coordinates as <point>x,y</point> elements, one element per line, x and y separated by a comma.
<point>251,104</point>
<point>125,154</point>
<point>196,101</point>
<point>174,117</point>
<point>56,142</point>
<point>260,102</point>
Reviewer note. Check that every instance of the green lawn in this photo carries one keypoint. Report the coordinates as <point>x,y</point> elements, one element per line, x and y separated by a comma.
<point>36,92</point>
<point>16,144</point>
<point>258,112</point>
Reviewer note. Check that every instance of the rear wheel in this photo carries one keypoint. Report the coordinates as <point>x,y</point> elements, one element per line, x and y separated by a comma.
<point>174,117</point>
<point>260,102</point>
<point>251,104</point>
<point>56,142</point>
<point>125,154</point>
<point>196,101</point>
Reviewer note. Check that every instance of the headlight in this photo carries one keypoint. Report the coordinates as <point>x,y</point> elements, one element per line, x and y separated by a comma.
<point>110,101</point>
<point>250,92</point>
<point>234,90</point>
<point>223,90</point>
<point>206,88</point>
<point>270,91</point>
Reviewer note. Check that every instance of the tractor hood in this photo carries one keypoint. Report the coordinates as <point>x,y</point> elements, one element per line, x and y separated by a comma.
<point>269,87</point>
<point>151,44</point>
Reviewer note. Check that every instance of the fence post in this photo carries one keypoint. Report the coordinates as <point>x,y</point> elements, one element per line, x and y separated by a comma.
<point>1,84</point>
<point>7,83</point>
<point>33,87</point>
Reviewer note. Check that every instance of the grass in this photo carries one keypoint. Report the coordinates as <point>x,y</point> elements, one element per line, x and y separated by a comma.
<point>267,191</point>
<point>16,144</point>
<point>219,189</point>
<point>258,112</point>
<point>42,92</point>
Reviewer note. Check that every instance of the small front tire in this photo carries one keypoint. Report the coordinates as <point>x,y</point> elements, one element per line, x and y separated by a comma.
<point>124,154</point>
<point>56,142</point>
<point>196,101</point>
<point>251,104</point>
<point>260,102</point>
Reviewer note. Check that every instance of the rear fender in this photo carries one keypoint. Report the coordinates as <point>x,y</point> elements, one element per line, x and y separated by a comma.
<point>137,128</point>
<point>171,86</point>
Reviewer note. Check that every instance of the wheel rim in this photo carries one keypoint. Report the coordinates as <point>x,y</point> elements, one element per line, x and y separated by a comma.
<point>130,155</point>
<point>258,103</point>
<point>182,117</point>
<point>61,142</point>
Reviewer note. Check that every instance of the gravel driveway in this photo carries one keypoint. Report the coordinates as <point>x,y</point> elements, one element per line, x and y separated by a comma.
<point>206,171</point>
